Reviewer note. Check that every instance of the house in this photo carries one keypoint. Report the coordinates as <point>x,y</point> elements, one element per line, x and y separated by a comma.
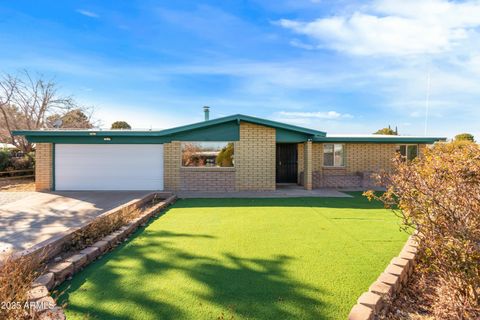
<point>233,153</point>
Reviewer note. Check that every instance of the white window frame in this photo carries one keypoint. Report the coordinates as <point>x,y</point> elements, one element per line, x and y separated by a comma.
<point>397,149</point>
<point>343,156</point>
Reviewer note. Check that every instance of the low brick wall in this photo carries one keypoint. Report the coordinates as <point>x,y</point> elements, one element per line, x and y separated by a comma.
<point>207,179</point>
<point>60,271</point>
<point>371,304</point>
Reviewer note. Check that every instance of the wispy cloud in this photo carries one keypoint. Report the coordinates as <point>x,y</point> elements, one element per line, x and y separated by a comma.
<point>390,27</point>
<point>332,115</point>
<point>88,13</point>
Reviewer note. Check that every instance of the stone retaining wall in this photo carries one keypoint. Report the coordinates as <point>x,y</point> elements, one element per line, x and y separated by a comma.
<point>62,270</point>
<point>372,303</point>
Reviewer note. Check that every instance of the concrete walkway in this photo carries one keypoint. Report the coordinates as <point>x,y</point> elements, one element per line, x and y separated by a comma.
<point>283,191</point>
<point>27,218</point>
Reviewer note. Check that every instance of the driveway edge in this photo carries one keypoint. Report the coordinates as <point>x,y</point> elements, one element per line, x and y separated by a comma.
<point>40,292</point>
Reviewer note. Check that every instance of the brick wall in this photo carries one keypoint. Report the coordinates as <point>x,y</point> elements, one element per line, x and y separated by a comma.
<point>361,161</point>
<point>372,157</point>
<point>207,179</point>
<point>255,158</point>
<point>43,166</point>
<point>172,160</point>
<point>300,163</point>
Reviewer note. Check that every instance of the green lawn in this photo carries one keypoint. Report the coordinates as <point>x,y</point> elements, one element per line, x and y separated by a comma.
<point>303,258</point>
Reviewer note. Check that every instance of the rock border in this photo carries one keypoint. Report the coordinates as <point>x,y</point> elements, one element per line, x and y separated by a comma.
<point>388,285</point>
<point>40,292</point>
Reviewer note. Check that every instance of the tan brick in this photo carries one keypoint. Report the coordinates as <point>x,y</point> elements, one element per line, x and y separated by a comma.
<point>91,252</point>
<point>43,166</point>
<point>371,300</point>
<point>255,158</point>
<point>78,260</point>
<point>391,280</point>
<point>381,288</point>
<point>37,293</point>
<point>360,312</point>
<point>102,245</point>
<point>46,280</point>
<point>61,271</point>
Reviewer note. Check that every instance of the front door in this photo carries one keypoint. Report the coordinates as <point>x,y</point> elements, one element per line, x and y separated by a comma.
<point>286,170</point>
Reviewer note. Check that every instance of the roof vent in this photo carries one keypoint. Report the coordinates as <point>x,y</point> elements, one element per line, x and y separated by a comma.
<point>206,110</point>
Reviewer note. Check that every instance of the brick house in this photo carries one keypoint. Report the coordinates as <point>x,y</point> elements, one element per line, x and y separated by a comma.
<point>233,153</point>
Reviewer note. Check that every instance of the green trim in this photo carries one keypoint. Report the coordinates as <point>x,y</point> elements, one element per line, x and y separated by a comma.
<point>288,136</point>
<point>389,140</point>
<point>97,140</point>
<point>53,166</point>
<point>221,129</point>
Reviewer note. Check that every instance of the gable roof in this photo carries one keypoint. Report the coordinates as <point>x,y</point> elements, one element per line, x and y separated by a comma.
<point>220,129</point>
<point>241,117</point>
<point>237,118</point>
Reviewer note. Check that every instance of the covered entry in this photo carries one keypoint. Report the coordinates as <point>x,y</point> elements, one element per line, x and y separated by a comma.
<point>286,163</point>
<point>108,167</point>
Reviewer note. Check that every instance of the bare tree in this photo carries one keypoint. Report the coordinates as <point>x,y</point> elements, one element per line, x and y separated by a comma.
<point>29,103</point>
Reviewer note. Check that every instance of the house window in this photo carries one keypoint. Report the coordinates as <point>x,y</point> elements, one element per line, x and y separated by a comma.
<point>408,151</point>
<point>208,154</point>
<point>333,155</point>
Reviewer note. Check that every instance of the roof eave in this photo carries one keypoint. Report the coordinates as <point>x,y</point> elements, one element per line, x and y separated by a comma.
<point>396,139</point>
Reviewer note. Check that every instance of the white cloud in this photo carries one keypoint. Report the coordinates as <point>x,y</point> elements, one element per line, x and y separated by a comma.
<point>88,13</point>
<point>332,115</point>
<point>389,27</point>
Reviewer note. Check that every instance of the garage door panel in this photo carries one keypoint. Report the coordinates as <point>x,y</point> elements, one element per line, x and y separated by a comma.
<point>109,167</point>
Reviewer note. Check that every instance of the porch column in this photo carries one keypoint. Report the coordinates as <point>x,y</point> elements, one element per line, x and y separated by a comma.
<point>307,165</point>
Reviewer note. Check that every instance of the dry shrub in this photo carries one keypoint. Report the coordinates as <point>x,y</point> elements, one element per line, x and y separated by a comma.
<point>100,228</point>
<point>16,278</point>
<point>439,196</point>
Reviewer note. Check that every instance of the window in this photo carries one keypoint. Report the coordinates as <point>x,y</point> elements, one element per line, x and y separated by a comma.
<point>333,155</point>
<point>408,151</point>
<point>207,154</point>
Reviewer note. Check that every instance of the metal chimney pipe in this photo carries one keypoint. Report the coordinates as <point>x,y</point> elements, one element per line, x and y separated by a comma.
<point>206,110</point>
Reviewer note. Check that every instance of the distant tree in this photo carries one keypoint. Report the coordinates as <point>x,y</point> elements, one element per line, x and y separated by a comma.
<point>387,131</point>
<point>464,137</point>
<point>27,102</point>
<point>73,119</point>
<point>121,125</point>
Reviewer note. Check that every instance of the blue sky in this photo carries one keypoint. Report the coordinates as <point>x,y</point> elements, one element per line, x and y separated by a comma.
<point>339,66</point>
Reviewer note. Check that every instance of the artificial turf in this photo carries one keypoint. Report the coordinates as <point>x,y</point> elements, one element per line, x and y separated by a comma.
<point>297,258</point>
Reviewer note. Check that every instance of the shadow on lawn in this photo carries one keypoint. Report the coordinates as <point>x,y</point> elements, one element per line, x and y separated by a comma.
<point>253,288</point>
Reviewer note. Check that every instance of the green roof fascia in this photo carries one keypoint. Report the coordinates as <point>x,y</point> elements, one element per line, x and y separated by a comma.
<point>98,139</point>
<point>87,133</point>
<point>393,139</point>
<point>227,131</point>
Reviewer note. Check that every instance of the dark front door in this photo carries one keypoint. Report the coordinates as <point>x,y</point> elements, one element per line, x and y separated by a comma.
<point>286,162</point>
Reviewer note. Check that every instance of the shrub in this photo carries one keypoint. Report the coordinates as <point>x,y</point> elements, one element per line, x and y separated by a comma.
<point>439,196</point>
<point>16,278</point>
<point>5,157</point>
<point>22,163</point>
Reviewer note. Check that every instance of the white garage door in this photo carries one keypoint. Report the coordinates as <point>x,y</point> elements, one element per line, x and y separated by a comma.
<point>109,167</point>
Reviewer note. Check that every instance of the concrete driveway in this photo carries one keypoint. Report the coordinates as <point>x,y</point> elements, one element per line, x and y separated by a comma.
<point>27,218</point>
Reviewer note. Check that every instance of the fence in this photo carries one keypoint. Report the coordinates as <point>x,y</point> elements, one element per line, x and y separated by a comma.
<point>17,174</point>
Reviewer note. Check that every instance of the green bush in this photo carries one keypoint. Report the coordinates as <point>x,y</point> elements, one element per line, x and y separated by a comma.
<point>5,159</point>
